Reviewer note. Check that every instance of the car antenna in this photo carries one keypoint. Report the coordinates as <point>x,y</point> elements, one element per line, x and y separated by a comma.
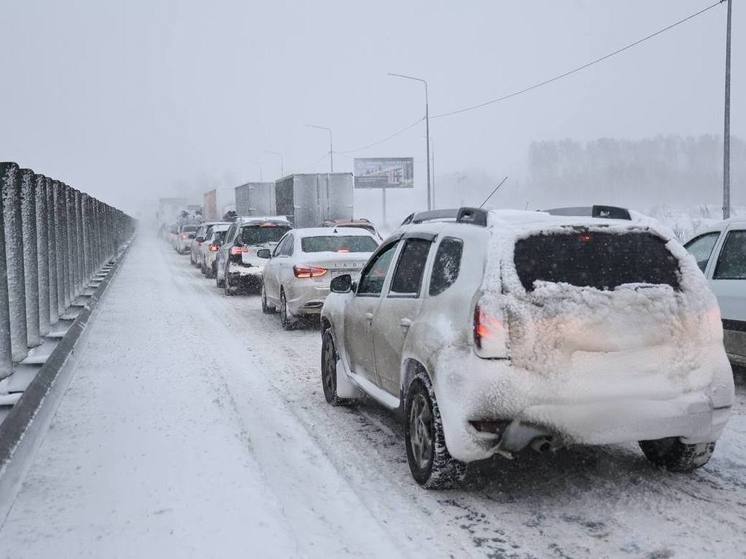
<point>491,193</point>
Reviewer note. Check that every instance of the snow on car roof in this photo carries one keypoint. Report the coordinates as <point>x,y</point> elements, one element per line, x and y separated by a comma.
<point>262,219</point>
<point>321,231</point>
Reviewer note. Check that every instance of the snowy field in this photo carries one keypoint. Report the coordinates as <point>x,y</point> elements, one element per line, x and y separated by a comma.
<point>195,427</point>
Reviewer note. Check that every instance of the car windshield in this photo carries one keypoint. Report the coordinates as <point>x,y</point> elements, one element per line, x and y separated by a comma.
<point>338,243</point>
<point>219,236</point>
<point>261,234</point>
<point>189,228</point>
<point>595,259</point>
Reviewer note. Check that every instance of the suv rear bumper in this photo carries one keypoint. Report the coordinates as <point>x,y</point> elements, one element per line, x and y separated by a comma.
<point>569,411</point>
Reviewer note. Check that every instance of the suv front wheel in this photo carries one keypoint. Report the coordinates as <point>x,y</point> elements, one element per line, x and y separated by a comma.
<point>431,464</point>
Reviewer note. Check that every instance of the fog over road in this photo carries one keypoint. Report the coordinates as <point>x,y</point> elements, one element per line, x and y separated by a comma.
<point>194,426</point>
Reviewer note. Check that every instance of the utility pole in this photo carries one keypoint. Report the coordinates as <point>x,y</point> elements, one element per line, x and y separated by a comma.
<point>427,133</point>
<point>726,126</point>
<point>331,144</point>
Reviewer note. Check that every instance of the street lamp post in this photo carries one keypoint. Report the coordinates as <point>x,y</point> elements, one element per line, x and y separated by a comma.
<point>726,125</point>
<point>282,160</point>
<point>427,133</point>
<point>331,143</point>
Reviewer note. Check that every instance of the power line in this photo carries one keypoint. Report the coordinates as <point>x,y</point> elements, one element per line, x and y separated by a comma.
<point>386,139</point>
<point>579,68</point>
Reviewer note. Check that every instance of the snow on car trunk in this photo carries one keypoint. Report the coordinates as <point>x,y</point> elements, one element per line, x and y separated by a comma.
<point>617,309</point>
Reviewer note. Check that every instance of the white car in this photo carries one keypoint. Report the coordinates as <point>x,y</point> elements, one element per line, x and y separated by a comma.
<point>297,274</point>
<point>184,236</point>
<point>495,331</point>
<point>720,251</point>
<point>209,249</point>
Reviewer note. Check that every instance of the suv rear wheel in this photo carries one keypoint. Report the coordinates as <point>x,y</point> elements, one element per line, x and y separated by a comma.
<point>431,464</point>
<point>329,371</point>
<point>676,456</point>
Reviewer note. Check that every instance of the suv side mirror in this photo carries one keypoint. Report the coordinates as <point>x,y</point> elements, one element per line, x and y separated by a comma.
<point>341,284</point>
<point>263,253</point>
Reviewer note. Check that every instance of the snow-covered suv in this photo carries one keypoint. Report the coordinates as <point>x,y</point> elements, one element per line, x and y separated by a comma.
<point>494,331</point>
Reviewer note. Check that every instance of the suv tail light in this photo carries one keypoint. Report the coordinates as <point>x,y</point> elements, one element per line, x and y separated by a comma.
<point>214,248</point>
<point>490,334</point>
<point>235,251</point>
<point>184,236</point>
<point>308,271</point>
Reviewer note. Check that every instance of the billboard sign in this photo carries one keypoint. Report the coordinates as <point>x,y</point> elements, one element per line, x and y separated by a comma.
<point>384,172</point>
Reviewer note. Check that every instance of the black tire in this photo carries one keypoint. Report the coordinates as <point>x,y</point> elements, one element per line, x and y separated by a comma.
<point>266,307</point>
<point>203,269</point>
<point>432,466</point>
<point>329,371</point>
<point>220,283</point>
<point>287,321</point>
<point>211,272</point>
<point>228,290</point>
<point>676,456</point>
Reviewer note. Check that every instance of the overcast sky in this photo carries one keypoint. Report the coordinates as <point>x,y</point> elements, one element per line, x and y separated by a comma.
<point>130,100</point>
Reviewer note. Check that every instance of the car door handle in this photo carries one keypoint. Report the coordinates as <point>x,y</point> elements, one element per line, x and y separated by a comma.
<point>405,323</point>
<point>369,316</point>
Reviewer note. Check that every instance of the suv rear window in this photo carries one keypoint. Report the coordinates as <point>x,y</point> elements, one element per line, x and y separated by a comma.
<point>260,234</point>
<point>595,259</point>
<point>338,243</point>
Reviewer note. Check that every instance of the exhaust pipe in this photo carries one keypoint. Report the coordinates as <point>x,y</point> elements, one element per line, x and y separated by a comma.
<point>541,444</point>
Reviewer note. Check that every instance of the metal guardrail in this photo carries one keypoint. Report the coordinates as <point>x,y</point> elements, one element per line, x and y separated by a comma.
<point>53,241</point>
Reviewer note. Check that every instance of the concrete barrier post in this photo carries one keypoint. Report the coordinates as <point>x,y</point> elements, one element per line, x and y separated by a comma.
<point>85,201</point>
<point>42,258</point>
<point>69,241</point>
<point>79,250</point>
<point>14,258</point>
<point>30,258</point>
<point>60,244</point>
<point>52,251</point>
<point>8,174</point>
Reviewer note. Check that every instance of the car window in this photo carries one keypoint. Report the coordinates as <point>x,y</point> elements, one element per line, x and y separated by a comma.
<point>701,248</point>
<point>374,274</point>
<point>231,233</point>
<point>447,265</point>
<point>261,234</point>
<point>207,232</point>
<point>280,249</point>
<point>338,243</point>
<point>410,268</point>
<point>732,261</point>
<point>288,245</point>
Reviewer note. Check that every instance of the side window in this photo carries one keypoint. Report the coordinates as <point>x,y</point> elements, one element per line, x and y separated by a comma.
<point>288,245</point>
<point>374,274</point>
<point>280,245</point>
<point>230,234</point>
<point>701,248</point>
<point>407,279</point>
<point>447,265</point>
<point>732,262</point>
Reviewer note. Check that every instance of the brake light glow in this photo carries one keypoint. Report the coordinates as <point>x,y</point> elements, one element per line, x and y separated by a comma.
<point>308,271</point>
<point>490,335</point>
<point>235,251</point>
<point>214,248</point>
<point>184,236</point>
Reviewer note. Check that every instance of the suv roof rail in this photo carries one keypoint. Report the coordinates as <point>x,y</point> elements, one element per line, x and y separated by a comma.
<point>604,212</point>
<point>473,216</point>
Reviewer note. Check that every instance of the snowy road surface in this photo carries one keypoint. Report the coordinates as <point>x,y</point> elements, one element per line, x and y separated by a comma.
<point>194,426</point>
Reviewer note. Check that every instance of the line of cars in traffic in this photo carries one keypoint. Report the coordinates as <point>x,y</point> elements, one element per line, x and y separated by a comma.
<point>490,332</point>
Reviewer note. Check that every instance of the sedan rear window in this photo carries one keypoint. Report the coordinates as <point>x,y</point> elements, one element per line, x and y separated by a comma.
<point>595,259</point>
<point>338,243</point>
<point>732,261</point>
<point>189,228</point>
<point>261,234</point>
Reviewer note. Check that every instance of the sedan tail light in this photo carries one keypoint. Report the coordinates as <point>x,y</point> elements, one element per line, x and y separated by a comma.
<point>308,271</point>
<point>490,334</point>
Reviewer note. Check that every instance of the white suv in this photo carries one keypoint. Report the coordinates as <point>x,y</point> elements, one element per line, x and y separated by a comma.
<point>494,331</point>
<point>720,251</point>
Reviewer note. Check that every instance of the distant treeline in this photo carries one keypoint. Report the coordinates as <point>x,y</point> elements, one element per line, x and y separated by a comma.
<point>669,171</point>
